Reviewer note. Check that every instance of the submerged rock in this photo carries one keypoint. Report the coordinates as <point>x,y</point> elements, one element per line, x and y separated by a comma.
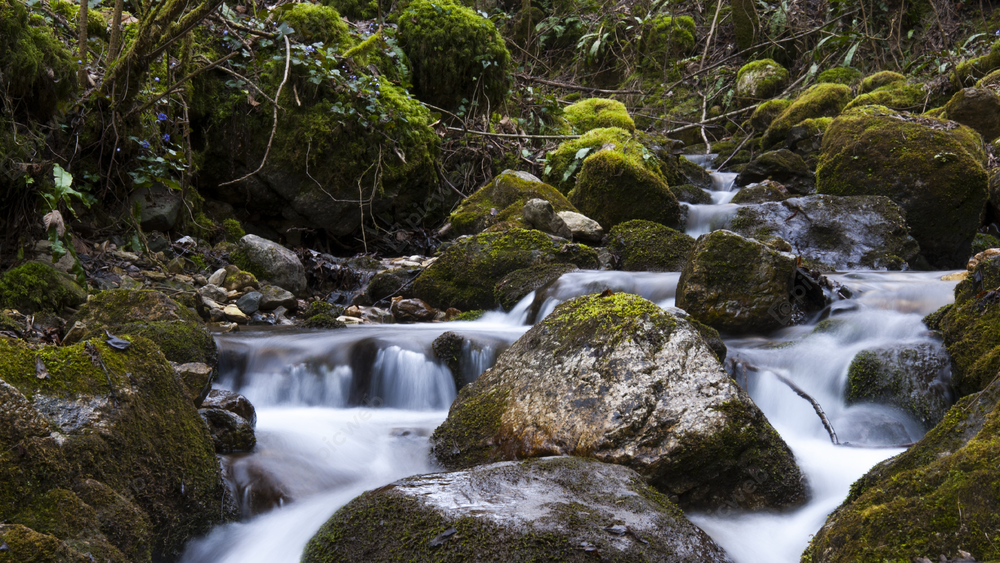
<point>834,233</point>
<point>618,379</point>
<point>554,509</point>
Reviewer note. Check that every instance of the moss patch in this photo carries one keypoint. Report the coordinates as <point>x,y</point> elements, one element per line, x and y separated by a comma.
<point>506,194</point>
<point>643,246</point>
<point>760,80</point>
<point>614,187</point>
<point>37,287</point>
<point>841,75</point>
<point>594,113</point>
<point>821,100</point>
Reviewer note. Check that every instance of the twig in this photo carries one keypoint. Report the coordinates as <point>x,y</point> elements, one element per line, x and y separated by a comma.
<point>244,79</point>
<point>249,30</point>
<point>573,86</point>
<point>816,406</point>
<point>711,31</point>
<point>274,127</point>
<point>738,147</point>
<point>704,114</point>
<point>512,135</point>
<point>178,84</point>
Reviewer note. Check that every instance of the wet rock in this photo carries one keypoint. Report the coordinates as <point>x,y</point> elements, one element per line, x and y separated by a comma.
<point>411,311</point>
<point>448,348</point>
<point>781,166</point>
<point>214,292</point>
<point>978,108</point>
<point>238,280</point>
<point>539,214</point>
<point>250,302</point>
<point>466,274</point>
<point>583,228</point>
<point>24,544</point>
<point>614,187</point>
<point>737,285</point>
<point>232,402</point>
<point>272,297</point>
<point>761,193</point>
<point>388,284</point>
<point>688,193</point>
<point>642,246</point>
<point>915,379</point>
<point>274,262</point>
<point>159,207</point>
<point>834,233</point>
<point>230,432</point>
<point>232,313</point>
<point>931,168</point>
<point>196,378</point>
<point>620,380</point>
<point>516,285</point>
<point>502,199</point>
<point>559,508</point>
<point>821,100</point>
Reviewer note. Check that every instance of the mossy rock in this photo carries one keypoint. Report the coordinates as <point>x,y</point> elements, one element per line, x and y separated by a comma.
<point>691,194</point>
<point>516,285</point>
<point>241,279</point>
<point>782,166</point>
<point>990,80</point>
<point>969,72</point>
<point>390,283</point>
<point>456,54</point>
<point>180,341</point>
<point>760,80</point>
<point>895,95</point>
<point>25,545</point>
<point>566,161</point>
<point>317,24</point>
<point>907,507</point>
<point>760,193</point>
<point>324,321</point>
<point>61,513</point>
<point>880,80</point>
<point>124,421</point>
<point>502,200</point>
<point>594,113</point>
<point>614,187</point>
<point>550,507</point>
<point>932,168</point>
<point>233,230</point>
<point>466,274</point>
<point>766,113</point>
<point>821,100</point>
<point>668,38</point>
<point>38,70</point>
<point>841,75</point>
<point>354,9</point>
<point>971,330</point>
<point>36,287</point>
<point>469,316</point>
<point>978,108</point>
<point>806,138</point>
<point>984,241</point>
<point>643,246</point>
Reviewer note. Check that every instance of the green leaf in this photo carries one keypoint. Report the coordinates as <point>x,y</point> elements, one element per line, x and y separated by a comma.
<point>582,153</point>
<point>850,54</point>
<point>63,179</point>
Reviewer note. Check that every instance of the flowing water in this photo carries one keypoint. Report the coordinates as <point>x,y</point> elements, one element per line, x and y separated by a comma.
<point>345,411</point>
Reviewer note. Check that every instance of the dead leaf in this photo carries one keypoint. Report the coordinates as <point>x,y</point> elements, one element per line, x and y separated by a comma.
<point>54,219</point>
<point>40,371</point>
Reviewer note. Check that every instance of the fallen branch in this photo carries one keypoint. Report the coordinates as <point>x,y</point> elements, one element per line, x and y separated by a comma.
<point>573,86</point>
<point>816,406</point>
<point>274,127</point>
<point>738,147</point>
<point>512,135</point>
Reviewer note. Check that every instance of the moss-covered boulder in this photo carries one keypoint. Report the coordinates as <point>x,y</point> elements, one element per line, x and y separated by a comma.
<point>614,187</point>
<point>103,447</point>
<point>510,512</point>
<point>821,100</point>
<point>176,329</point>
<point>689,193</point>
<point>834,233</point>
<point>880,79</point>
<point>643,246</point>
<point>761,193</point>
<point>936,498</point>
<point>737,285</point>
<point>978,108</point>
<point>594,113</point>
<point>969,72</point>
<point>619,379</point>
<point>841,75</point>
<point>899,96</point>
<point>35,287</point>
<point>932,168</point>
<point>806,138</point>
<point>516,285</point>
<point>565,162</point>
<point>466,275</point>
<point>456,53</point>
<point>782,166</point>
<point>502,200</point>
<point>915,379</point>
<point>668,37</point>
<point>315,23</point>
<point>766,113</point>
<point>760,80</point>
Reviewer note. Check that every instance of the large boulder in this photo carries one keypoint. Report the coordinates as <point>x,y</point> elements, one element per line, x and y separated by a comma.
<point>643,246</point>
<point>614,188</point>
<point>932,168</point>
<point>935,499</point>
<point>760,80</point>
<point>978,108</point>
<point>466,274</point>
<point>109,438</point>
<point>822,100</point>
<point>502,200</point>
<point>554,509</point>
<point>781,166</point>
<point>915,379</point>
<point>270,261</point>
<point>897,95</point>
<point>35,287</point>
<point>594,113</point>
<point>735,284</point>
<point>620,380</point>
<point>159,207</point>
<point>834,233</point>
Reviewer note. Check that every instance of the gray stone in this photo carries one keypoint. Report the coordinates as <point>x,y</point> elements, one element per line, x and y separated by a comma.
<point>272,297</point>
<point>279,265</point>
<point>218,277</point>
<point>539,214</point>
<point>583,228</point>
<point>159,207</point>
<point>231,433</point>
<point>232,402</point>
<point>978,108</point>
<point>781,166</point>
<point>213,292</point>
<point>249,303</point>
<point>233,313</point>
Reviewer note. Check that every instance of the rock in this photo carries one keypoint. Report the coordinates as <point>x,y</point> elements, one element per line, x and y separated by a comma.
<point>620,380</point>
<point>980,257</point>
<point>272,261</point>
<point>559,508</point>
<point>272,297</point>
<point>411,311</point>
<point>761,193</point>
<point>583,228</point>
<point>566,161</point>
<point>834,233</point>
<point>196,378</point>
<point>767,112</point>
<point>594,113</point>
<point>821,100</point>
<point>915,379</point>
<point>737,285</point>
<point>159,207</point>
<point>501,200</point>
<point>250,302</point>
<point>688,193</point>
<point>466,274</point>
<point>388,284</point>
<point>806,138</point>
<point>642,246</point>
<point>880,79</point>
<point>218,277</point>
<point>782,166</point>
<point>234,314</point>
<point>907,506</point>
<point>231,433</point>
<point>43,254</point>
<point>978,108</point>
<point>760,80</point>
<point>539,214</point>
<point>932,168</point>
<point>213,292</point>
<point>614,187</point>
<point>75,333</point>
<point>840,75</point>
<point>516,285</point>
<point>897,95</point>
<point>448,348</point>
<point>232,402</point>
<point>36,287</point>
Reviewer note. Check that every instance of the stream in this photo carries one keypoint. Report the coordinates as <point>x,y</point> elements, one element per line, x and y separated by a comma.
<point>345,411</point>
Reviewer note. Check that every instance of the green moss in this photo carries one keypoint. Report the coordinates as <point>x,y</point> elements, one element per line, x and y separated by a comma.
<point>37,287</point>
<point>841,75</point>
<point>968,72</point>
<point>642,246</point>
<point>25,545</point>
<point>386,56</point>
<point>317,24</point>
<point>991,79</point>
<point>614,187</point>
<point>668,37</point>
<point>234,231</point>
<point>469,315</point>
<point>565,162</point>
<point>464,439</point>
<point>821,100</point>
<point>895,95</point>
<point>97,26</point>
<point>691,194</point>
<point>760,80</point>
<point>323,320</point>
<point>354,9</point>
<point>897,377</point>
<point>506,194</point>
<point>594,113</point>
<point>767,112</point>
<point>880,80</point>
<point>757,194</point>
<point>972,336</point>
<point>456,54</point>
<point>180,341</point>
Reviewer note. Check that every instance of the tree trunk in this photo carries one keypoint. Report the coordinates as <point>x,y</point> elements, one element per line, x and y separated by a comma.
<point>116,25</point>
<point>82,25</point>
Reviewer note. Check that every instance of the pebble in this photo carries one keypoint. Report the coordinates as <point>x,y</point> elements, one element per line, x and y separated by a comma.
<point>233,313</point>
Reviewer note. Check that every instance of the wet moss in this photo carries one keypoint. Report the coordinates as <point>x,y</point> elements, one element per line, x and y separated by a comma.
<point>984,241</point>
<point>37,287</point>
<point>760,80</point>
<point>972,336</point>
<point>767,112</point>
<point>180,341</point>
<point>821,100</point>
<point>506,194</point>
<point>466,438</point>
<point>323,320</point>
<point>895,95</point>
<point>317,24</point>
<point>614,187</point>
<point>892,378</point>
<point>841,75</point>
<point>643,246</point>
<point>469,315</point>
<point>880,80</point>
<point>25,545</point>
<point>594,113</point>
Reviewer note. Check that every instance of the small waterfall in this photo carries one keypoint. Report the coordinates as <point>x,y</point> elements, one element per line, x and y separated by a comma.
<point>723,181</point>
<point>703,219</point>
<point>703,160</point>
<point>410,380</point>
